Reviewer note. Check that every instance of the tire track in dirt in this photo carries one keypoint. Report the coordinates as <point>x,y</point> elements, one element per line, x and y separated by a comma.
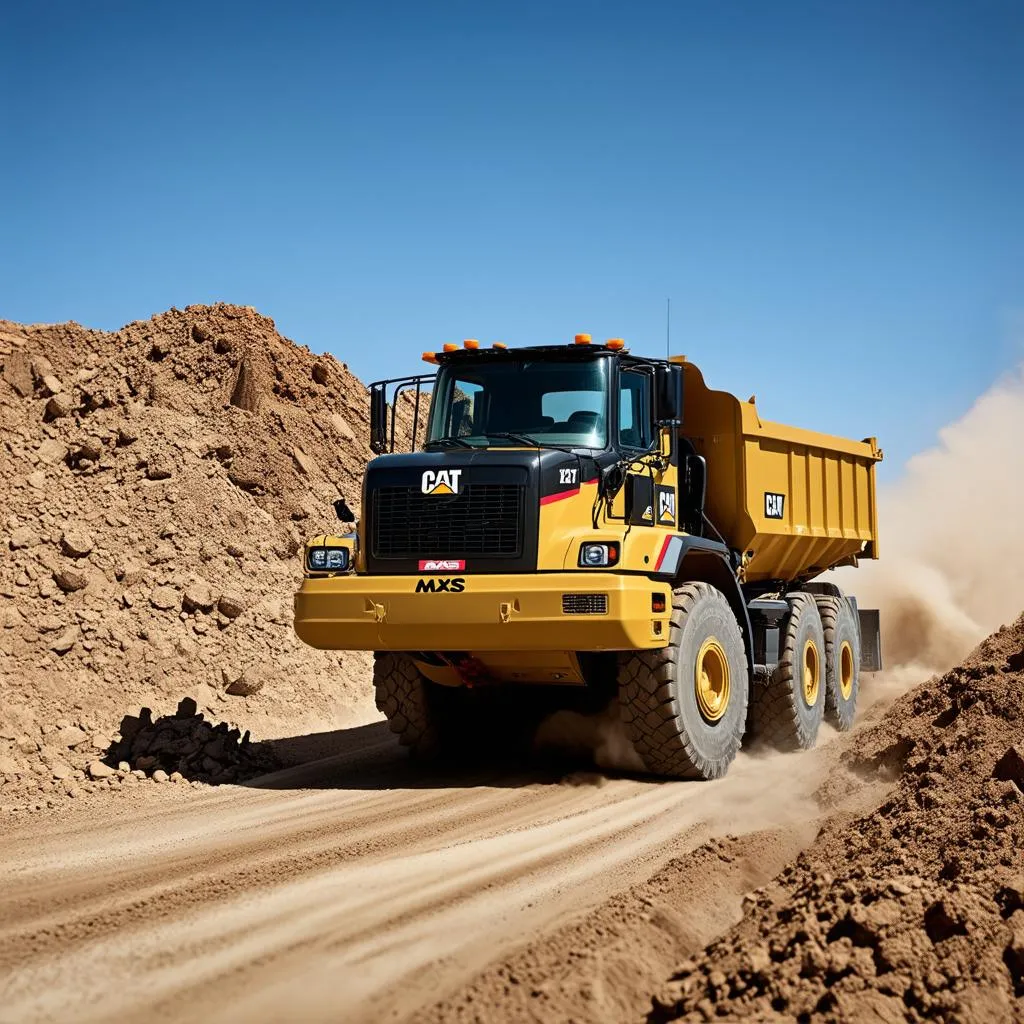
<point>345,884</point>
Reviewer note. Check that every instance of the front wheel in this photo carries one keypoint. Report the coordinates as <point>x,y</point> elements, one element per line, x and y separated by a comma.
<point>401,694</point>
<point>685,705</point>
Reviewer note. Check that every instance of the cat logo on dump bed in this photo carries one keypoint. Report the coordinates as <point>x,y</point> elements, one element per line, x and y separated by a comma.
<point>440,481</point>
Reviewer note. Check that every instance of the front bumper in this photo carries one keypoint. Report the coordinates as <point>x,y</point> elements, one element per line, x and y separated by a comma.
<point>491,613</point>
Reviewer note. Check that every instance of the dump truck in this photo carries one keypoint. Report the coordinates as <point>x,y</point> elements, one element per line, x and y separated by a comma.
<point>579,518</point>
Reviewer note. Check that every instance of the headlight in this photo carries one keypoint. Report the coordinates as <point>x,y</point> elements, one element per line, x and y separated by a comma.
<point>327,559</point>
<point>595,555</point>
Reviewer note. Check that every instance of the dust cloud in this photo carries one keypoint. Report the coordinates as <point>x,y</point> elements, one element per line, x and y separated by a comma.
<point>952,545</point>
<point>600,737</point>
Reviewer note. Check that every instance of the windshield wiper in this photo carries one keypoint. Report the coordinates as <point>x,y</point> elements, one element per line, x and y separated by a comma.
<point>457,441</point>
<point>526,439</point>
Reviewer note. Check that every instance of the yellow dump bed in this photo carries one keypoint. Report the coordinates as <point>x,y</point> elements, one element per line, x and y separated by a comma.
<point>796,501</point>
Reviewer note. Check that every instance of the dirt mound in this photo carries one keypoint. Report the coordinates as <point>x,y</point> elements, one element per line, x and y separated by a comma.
<point>915,911</point>
<point>157,483</point>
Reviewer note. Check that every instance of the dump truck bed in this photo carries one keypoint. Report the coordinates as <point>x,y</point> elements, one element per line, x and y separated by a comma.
<point>797,501</point>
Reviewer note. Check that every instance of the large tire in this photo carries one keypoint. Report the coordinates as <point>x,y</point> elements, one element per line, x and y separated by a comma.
<point>401,694</point>
<point>842,660</point>
<point>788,710</point>
<point>685,705</point>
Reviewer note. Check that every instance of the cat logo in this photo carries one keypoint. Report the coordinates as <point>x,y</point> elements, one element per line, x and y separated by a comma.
<point>667,505</point>
<point>773,505</point>
<point>441,481</point>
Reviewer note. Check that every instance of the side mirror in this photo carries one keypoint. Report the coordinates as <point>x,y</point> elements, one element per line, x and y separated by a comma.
<point>378,419</point>
<point>343,512</point>
<point>695,491</point>
<point>612,477</point>
<point>668,395</point>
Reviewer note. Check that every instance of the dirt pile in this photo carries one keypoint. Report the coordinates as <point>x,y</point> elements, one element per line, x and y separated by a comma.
<point>915,911</point>
<point>157,484</point>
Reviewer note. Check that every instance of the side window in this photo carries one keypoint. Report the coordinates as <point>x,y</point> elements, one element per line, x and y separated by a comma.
<point>467,409</point>
<point>634,409</point>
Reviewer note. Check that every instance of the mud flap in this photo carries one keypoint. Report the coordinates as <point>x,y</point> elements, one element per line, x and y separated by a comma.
<point>870,640</point>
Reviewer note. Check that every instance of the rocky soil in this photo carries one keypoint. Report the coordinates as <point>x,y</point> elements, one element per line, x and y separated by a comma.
<point>157,484</point>
<point>913,912</point>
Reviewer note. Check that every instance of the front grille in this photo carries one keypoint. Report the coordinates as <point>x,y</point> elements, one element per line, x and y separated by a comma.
<point>584,604</point>
<point>481,520</point>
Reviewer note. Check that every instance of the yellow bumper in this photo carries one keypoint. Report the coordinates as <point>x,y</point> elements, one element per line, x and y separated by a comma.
<point>491,613</point>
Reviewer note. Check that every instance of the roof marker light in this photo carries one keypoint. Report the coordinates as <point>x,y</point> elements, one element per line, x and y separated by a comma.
<point>582,339</point>
<point>430,357</point>
<point>615,344</point>
<point>471,343</point>
<point>449,347</point>
<point>499,344</point>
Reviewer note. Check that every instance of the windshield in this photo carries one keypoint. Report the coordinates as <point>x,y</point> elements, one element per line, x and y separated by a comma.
<point>547,402</point>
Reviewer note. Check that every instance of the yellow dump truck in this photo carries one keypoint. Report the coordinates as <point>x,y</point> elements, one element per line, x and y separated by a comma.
<point>586,520</point>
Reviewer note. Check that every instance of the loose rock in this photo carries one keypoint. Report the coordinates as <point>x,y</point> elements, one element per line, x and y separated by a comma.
<point>76,542</point>
<point>164,598</point>
<point>231,605</point>
<point>244,686</point>
<point>199,596</point>
<point>23,537</point>
<point>70,580</point>
<point>58,407</point>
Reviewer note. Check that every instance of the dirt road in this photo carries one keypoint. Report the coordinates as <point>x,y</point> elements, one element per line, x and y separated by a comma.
<point>349,887</point>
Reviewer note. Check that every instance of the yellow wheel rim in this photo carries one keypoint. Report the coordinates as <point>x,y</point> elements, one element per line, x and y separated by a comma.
<point>846,669</point>
<point>711,680</point>
<point>812,674</point>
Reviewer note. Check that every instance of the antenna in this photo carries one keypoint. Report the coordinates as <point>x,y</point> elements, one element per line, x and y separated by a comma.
<point>668,327</point>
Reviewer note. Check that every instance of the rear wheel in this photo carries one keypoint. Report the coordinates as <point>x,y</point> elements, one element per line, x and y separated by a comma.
<point>685,705</point>
<point>787,710</point>
<point>401,694</point>
<point>842,661</point>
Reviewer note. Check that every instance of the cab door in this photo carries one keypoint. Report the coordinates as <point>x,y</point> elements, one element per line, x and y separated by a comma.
<point>650,493</point>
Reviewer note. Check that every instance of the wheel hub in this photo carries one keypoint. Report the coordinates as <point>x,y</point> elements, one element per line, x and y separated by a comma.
<point>812,674</point>
<point>846,670</point>
<point>712,680</point>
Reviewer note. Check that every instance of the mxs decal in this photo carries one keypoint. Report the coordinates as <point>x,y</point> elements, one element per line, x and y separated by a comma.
<point>439,585</point>
<point>773,505</point>
<point>440,481</point>
<point>442,565</point>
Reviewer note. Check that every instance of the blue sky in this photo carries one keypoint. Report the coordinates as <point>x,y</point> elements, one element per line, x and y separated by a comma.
<point>830,193</point>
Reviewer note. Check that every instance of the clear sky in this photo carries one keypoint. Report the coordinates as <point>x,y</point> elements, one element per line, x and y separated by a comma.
<point>831,193</point>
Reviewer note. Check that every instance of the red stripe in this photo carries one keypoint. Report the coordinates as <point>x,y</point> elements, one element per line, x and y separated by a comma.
<point>559,496</point>
<point>664,548</point>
